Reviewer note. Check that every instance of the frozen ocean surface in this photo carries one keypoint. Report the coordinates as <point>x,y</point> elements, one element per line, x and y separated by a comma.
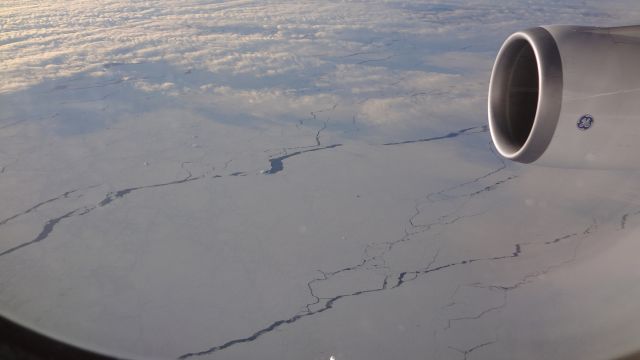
<point>276,180</point>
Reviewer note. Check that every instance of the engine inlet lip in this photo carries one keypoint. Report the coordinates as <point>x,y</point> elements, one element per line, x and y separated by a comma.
<point>549,100</point>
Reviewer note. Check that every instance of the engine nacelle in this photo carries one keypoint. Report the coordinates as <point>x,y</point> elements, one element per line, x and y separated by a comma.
<point>568,96</point>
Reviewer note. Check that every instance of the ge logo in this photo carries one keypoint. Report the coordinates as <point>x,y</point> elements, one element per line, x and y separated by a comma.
<point>585,122</point>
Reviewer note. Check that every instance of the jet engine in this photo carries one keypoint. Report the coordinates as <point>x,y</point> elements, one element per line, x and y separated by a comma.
<point>568,96</point>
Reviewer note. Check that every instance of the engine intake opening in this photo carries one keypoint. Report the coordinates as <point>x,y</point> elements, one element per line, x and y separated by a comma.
<point>525,95</point>
<point>515,92</point>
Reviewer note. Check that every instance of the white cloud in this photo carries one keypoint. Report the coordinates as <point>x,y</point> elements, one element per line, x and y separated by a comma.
<point>149,87</point>
<point>398,67</point>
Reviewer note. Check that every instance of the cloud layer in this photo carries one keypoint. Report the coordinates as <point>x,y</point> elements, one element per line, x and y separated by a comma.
<point>395,66</point>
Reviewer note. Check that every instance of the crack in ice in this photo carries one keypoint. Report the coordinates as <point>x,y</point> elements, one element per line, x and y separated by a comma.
<point>466,352</point>
<point>454,134</point>
<point>49,226</point>
<point>64,195</point>
<point>277,164</point>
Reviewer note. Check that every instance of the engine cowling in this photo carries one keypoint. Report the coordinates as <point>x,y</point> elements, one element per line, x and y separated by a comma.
<point>568,96</point>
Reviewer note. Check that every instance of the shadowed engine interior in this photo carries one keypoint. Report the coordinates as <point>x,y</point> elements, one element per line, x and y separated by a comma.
<point>515,99</point>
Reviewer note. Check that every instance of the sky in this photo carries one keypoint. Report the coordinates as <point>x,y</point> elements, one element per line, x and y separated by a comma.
<point>225,180</point>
